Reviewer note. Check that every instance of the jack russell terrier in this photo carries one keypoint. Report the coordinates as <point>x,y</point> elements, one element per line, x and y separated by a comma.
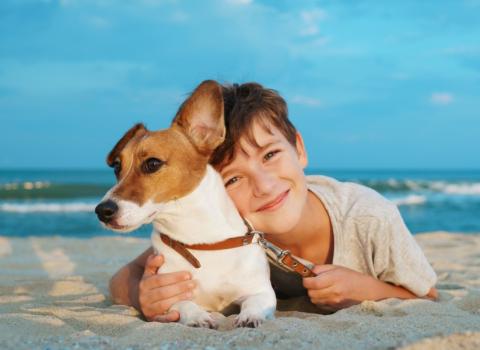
<point>164,177</point>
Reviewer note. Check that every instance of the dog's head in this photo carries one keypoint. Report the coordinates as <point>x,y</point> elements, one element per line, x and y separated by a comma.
<point>155,167</point>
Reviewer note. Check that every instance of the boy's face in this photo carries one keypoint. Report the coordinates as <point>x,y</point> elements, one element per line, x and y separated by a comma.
<point>267,183</point>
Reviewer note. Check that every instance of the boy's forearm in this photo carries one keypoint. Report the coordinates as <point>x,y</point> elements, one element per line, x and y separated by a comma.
<point>380,290</point>
<point>124,285</point>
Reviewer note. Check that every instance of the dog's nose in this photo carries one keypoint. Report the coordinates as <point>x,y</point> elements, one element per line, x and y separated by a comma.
<point>106,210</point>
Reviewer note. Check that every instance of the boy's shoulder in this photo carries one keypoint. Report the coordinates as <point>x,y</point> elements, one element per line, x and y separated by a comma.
<point>349,197</point>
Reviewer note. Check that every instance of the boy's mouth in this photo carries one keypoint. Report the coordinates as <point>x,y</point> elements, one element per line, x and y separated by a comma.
<point>277,202</point>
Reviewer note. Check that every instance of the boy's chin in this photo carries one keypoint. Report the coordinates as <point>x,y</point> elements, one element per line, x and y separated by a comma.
<point>276,226</point>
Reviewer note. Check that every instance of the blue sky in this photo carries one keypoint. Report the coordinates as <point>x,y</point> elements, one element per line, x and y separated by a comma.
<point>370,84</point>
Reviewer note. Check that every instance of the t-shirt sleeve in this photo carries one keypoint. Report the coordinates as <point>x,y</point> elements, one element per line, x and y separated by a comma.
<point>398,259</point>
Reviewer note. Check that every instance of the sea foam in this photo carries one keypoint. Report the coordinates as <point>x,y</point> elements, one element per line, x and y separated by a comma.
<point>47,207</point>
<point>412,199</point>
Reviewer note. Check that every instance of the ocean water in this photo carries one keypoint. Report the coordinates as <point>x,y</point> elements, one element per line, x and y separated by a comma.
<point>56,202</point>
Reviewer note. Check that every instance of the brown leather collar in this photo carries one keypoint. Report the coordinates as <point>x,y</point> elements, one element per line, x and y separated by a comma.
<point>183,249</point>
<point>282,257</point>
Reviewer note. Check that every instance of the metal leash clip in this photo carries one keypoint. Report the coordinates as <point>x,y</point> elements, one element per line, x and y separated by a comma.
<point>271,249</point>
<point>283,257</point>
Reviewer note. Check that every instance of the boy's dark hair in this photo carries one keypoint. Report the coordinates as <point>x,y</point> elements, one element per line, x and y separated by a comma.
<point>243,105</point>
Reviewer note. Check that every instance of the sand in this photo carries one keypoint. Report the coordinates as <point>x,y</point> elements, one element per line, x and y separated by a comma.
<point>54,295</point>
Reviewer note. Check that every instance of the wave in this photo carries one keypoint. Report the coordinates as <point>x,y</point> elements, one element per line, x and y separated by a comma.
<point>409,200</point>
<point>47,207</point>
<point>453,188</point>
<point>458,188</point>
<point>47,190</point>
<point>51,191</point>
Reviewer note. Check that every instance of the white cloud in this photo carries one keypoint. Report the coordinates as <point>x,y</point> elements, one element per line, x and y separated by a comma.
<point>179,17</point>
<point>99,22</point>
<point>155,3</point>
<point>57,78</point>
<point>306,101</point>
<point>400,76</point>
<point>441,98</point>
<point>65,3</point>
<point>310,20</point>
<point>240,2</point>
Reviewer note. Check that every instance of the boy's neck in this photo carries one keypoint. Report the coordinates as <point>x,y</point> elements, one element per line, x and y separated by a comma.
<point>312,238</point>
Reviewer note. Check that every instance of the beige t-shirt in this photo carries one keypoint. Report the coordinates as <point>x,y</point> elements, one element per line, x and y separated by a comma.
<point>369,237</point>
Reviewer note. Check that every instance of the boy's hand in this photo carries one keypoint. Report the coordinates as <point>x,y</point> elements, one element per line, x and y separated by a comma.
<point>158,292</point>
<point>337,287</point>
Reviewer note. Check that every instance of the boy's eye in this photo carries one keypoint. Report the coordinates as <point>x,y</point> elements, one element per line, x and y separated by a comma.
<point>269,155</point>
<point>231,181</point>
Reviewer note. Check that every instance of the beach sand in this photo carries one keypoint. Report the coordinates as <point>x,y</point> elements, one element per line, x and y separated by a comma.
<point>54,294</point>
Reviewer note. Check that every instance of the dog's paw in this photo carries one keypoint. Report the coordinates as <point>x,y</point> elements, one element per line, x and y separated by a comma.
<point>200,319</point>
<point>250,321</point>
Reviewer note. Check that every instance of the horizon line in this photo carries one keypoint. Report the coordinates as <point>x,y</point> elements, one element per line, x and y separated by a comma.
<point>306,169</point>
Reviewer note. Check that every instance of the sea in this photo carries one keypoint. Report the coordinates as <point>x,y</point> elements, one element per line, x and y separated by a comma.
<point>62,202</point>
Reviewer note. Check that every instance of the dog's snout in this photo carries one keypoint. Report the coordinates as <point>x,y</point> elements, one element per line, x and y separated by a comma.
<point>106,210</point>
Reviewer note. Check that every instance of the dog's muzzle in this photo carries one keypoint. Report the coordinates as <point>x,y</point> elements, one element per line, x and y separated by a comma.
<point>106,210</point>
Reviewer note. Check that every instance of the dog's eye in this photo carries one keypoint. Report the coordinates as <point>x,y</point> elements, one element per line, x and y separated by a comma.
<point>151,165</point>
<point>117,166</point>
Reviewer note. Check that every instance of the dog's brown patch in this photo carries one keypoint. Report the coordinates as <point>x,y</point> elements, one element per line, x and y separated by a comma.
<point>201,117</point>
<point>137,130</point>
<point>184,149</point>
<point>182,171</point>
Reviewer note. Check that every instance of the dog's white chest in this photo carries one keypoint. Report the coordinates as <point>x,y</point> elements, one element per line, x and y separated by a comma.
<point>225,276</point>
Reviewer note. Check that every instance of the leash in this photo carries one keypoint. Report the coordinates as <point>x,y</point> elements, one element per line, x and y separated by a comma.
<point>281,257</point>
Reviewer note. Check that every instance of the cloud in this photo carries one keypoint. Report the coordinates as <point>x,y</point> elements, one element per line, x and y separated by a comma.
<point>310,21</point>
<point>441,98</point>
<point>98,22</point>
<point>179,17</point>
<point>400,76</point>
<point>240,2</point>
<point>306,101</point>
<point>57,78</point>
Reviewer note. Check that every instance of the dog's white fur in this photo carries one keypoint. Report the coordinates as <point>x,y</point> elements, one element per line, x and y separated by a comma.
<point>230,276</point>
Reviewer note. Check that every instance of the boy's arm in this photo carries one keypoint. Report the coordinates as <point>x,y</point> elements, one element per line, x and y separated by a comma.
<point>139,285</point>
<point>383,290</point>
<point>338,287</point>
<point>124,283</point>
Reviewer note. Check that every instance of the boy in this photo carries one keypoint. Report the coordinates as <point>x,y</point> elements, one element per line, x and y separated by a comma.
<point>356,239</point>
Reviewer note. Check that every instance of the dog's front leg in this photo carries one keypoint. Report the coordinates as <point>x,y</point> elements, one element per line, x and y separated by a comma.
<point>256,308</point>
<point>193,315</point>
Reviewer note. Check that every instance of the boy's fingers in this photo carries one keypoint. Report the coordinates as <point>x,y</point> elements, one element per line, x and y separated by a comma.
<point>166,279</point>
<point>166,304</point>
<point>152,264</point>
<point>318,282</point>
<point>320,295</point>
<point>171,316</point>
<point>317,269</point>
<point>172,290</point>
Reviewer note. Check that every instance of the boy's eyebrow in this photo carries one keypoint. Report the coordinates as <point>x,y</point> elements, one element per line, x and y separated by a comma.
<point>267,145</point>
<point>259,147</point>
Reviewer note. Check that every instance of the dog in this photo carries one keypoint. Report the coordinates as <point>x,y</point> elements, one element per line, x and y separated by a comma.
<point>163,177</point>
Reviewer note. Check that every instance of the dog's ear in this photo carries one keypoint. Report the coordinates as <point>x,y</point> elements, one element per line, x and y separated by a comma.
<point>136,130</point>
<point>201,117</point>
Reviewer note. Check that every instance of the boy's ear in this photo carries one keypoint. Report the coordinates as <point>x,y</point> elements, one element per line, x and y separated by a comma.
<point>200,117</point>
<point>301,151</point>
<point>136,130</point>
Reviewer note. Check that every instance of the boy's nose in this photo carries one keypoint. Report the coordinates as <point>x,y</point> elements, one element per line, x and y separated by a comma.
<point>264,183</point>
